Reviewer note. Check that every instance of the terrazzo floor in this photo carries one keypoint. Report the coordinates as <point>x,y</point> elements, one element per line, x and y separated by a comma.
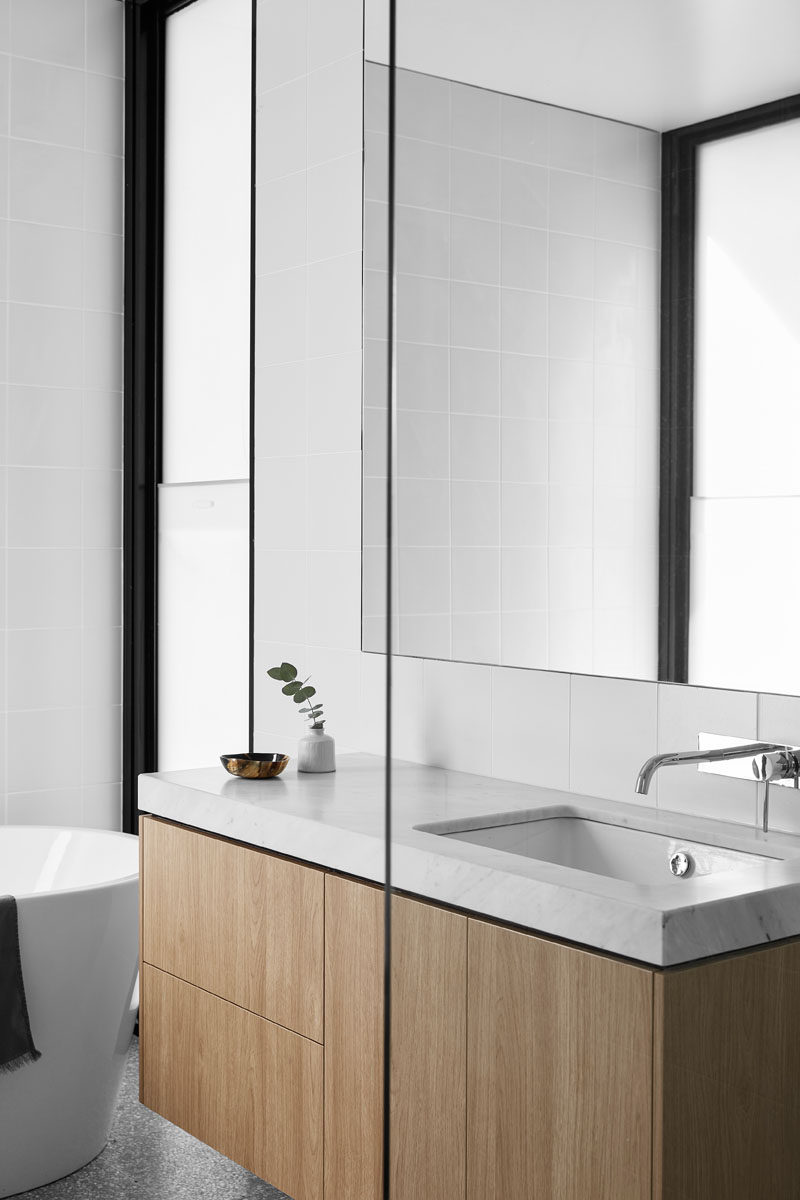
<point>148,1159</point>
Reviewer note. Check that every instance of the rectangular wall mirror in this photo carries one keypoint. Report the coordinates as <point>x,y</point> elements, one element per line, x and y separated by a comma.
<point>529,462</point>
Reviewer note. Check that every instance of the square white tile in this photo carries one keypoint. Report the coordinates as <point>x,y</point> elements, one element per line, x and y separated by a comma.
<point>423,310</point>
<point>458,709</point>
<point>334,31</point>
<point>475,579</point>
<point>523,194</point>
<point>335,110</point>
<point>475,513</point>
<point>476,637</point>
<point>571,203</point>
<point>524,129</point>
<point>423,107</point>
<point>422,242</point>
<point>524,514</point>
<point>474,448</point>
<point>524,258</point>
<point>475,316</point>
<point>422,175</point>
<point>523,383</point>
<point>572,140</point>
<point>530,727</point>
<point>571,390</point>
<point>423,512</point>
<point>422,376</point>
<point>47,103</point>
<point>475,184</point>
<point>523,322</point>
<point>613,730</point>
<point>475,382</point>
<point>523,451</point>
<point>475,250</point>
<point>424,582</point>
<point>523,580</point>
<point>281,44</point>
<point>422,445</point>
<point>475,119</point>
<point>571,265</point>
<point>334,306</point>
<point>281,121</point>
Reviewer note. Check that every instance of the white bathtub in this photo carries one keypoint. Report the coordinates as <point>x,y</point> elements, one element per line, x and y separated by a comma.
<point>77,895</point>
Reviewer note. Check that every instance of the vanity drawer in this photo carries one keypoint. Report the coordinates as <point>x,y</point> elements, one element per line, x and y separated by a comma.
<point>235,921</point>
<point>241,1084</point>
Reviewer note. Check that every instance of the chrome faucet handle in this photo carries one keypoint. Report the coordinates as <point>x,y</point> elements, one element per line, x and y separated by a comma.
<point>778,764</point>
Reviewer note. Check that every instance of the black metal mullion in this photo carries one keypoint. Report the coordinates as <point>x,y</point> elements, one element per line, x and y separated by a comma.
<point>144,170</point>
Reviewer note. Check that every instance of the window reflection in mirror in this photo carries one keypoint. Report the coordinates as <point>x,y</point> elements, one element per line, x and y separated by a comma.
<point>744,573</point>
<point>529,464</point>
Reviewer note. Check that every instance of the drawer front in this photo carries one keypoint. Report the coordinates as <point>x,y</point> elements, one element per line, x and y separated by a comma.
<point>241,923</point>
<point>250,1089</point>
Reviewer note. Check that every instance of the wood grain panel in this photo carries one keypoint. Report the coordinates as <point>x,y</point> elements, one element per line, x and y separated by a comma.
<point>731,1062</point>
<point>239,922</point>
<point>428,1046</point>
<point>428,1059</point>
<point>353,1039</point>
<point>250,1089</point>
<point>559,1086</point>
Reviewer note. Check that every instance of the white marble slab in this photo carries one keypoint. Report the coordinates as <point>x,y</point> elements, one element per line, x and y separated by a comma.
<point>338,821</point>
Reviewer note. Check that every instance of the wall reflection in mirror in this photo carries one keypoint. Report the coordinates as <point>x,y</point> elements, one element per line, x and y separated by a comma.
<point>526,472</point>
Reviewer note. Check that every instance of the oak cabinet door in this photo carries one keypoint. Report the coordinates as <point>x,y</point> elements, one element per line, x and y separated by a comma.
<point>244,1086</point>
<point>428,1054</point>
<point>239,922</point>
<point>559,1083</point>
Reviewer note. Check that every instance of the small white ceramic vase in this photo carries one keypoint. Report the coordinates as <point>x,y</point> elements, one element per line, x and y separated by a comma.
<point>316,751</point>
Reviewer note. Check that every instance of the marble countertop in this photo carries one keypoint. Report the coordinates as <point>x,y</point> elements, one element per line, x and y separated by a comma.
<point>338,821</point>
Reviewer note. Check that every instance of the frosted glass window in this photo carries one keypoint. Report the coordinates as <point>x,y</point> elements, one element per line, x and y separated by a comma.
<point>203,626</point>
<point>207,190</point>
<point>747,411</point>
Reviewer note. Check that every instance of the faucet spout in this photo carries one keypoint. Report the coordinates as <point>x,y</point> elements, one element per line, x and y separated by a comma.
<point>721,754</point>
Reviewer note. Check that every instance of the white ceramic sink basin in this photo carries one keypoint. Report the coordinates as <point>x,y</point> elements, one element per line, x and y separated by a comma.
<point>635,855</point>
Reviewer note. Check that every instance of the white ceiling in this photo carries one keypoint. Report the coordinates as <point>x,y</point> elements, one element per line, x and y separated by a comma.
<point>658,63</point>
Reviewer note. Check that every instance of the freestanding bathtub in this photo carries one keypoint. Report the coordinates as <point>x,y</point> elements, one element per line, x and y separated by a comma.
<point>77,896</point>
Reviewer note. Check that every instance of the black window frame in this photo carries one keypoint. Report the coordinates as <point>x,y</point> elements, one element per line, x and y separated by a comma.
<point>676,449</point>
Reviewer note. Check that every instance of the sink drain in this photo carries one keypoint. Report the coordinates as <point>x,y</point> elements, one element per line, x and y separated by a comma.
<point>680,864</point>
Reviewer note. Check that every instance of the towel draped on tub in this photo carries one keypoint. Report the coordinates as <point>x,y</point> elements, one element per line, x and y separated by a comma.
<point>16,1040</point>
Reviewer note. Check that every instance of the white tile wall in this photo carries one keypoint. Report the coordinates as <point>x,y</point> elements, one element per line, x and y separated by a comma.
<point>547,228</point>
<point>309,139</point>
<point>61,121</point>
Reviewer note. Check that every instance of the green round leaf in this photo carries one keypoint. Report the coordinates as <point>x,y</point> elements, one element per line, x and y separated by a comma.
<point>275,672</point>
<point>288,672</point>
<point>291,688</point>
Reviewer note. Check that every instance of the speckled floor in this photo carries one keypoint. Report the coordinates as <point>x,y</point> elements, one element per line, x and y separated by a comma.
<point>148,1159</point>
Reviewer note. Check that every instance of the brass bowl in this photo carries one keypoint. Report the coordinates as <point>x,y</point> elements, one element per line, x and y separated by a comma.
<point>254,766</point>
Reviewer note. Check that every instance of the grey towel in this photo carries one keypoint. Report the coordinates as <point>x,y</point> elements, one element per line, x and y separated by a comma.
<point>16,1040</point>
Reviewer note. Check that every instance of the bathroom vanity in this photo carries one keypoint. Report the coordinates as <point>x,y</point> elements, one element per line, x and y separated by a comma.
<point>523,1064</point>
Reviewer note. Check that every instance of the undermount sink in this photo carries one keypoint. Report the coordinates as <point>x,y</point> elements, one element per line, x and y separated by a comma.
<point>619,851</point>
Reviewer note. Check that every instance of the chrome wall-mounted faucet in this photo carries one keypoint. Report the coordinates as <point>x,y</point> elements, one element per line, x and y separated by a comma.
<point>720,754</point>
<point>771,762</point>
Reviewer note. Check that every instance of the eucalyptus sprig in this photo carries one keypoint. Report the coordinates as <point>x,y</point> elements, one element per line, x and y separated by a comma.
<point>299,691</point>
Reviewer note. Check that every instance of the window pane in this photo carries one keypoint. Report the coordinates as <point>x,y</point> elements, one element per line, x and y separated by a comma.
<point>207,242</point>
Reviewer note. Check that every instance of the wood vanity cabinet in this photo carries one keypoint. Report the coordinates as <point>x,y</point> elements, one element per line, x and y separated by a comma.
<point>523,1068</point>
